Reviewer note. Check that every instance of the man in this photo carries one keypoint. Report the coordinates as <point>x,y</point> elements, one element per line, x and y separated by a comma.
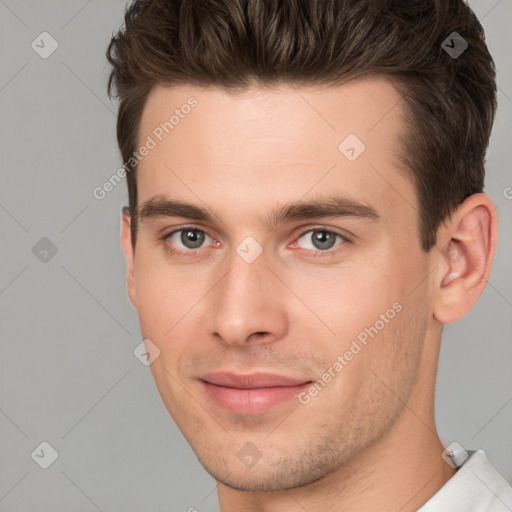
<point>305,214</point>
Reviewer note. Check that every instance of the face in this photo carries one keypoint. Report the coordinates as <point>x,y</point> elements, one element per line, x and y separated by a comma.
<point>279,272</point>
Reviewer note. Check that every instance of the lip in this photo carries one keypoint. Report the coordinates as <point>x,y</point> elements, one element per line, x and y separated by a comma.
<point>250,394</point>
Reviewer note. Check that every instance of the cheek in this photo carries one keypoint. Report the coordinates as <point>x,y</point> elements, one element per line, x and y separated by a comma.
<point>171,304</point>
<point>348,298</point>
<point>366,316</point>
<point>379,372</point>
<point>164,291</point>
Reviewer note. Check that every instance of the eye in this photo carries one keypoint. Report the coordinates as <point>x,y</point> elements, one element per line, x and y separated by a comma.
<point>320,240</point>
<point>187,238</point>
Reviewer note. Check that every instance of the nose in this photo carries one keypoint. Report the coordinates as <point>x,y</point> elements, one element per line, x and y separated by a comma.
<point>247,306</point>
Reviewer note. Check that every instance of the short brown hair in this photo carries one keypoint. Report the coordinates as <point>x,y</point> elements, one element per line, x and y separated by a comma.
<point>450,101</point>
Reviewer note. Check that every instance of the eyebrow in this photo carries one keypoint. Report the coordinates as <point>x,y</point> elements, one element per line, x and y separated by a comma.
<point>321,207</point>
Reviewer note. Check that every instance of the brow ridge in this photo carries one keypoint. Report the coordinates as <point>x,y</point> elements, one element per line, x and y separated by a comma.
<point>321,207</point>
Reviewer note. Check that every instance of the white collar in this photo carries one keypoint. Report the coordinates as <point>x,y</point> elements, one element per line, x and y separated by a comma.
<point>477,486</point>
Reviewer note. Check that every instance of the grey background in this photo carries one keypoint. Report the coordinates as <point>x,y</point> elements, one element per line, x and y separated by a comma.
<point>68,330</point>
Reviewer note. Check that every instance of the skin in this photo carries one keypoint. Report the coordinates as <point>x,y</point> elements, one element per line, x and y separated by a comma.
<point>368,440</point>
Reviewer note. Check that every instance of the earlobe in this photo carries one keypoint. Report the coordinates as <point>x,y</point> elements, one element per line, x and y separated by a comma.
<point>129,252</point>
<point>465,252</point>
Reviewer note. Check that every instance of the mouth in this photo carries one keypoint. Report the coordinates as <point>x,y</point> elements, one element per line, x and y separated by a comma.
<point>250,394</point>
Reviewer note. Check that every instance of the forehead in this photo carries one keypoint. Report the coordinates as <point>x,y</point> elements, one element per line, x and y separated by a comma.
<point>360,105</point>
<point>267,145</point>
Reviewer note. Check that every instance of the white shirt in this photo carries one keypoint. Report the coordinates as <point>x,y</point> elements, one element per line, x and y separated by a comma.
<point>477,486</point>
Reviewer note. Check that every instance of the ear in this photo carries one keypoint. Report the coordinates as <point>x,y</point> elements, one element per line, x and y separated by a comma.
<point>129,253</point>
<point>465,249</point>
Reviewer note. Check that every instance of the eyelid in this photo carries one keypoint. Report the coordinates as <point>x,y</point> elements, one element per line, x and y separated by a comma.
<point>179,227</point>
<point>343,233</point>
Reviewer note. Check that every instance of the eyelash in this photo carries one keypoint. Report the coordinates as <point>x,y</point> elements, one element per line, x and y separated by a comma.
<point>193,253</point>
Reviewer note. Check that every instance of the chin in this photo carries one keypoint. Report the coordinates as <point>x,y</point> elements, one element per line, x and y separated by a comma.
<point>263,478</point>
